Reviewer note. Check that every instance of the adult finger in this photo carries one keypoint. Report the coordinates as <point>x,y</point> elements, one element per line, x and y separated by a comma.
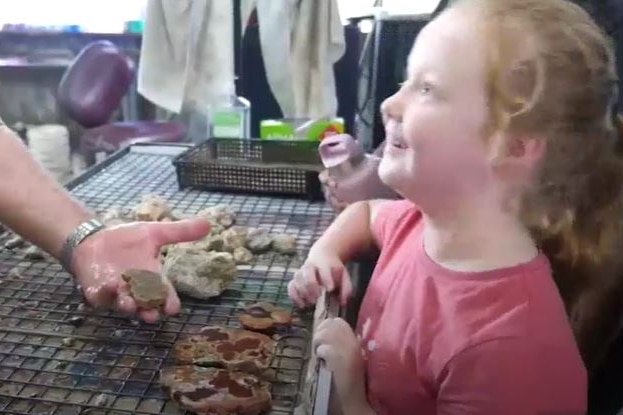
<point>102,295</point>
<point>124,301</point>
<point>187,230</point>
<point>173,305</point>
<point>149,316</point>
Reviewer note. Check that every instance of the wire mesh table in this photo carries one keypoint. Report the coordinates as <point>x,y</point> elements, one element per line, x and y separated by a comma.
<point>58,358</point>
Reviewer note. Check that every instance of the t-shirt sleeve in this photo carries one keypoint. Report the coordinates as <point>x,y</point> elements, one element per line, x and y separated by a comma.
<point>387,216</point>
<point>503,377</point>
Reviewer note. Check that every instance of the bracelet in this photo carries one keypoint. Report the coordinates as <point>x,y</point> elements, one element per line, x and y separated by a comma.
<point>83,231</point>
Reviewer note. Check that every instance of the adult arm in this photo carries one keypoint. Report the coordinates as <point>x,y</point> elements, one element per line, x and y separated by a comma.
<point>32,203</point>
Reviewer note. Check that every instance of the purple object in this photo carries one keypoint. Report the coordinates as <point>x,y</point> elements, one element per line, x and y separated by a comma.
<point>355,173</point>
<point>94,85</point>
<point>90,92</point>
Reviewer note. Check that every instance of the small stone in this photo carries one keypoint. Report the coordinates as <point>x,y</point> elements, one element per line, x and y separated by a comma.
<point>68,341</point>
<point>219,216</point>
<point>76,321</point>
<point>258,240</point>
<point>178,215</point>
<point>284,244</point>
<point>235,237</point>
<point>34,394</point>
<point>118,333</point>
<point>116,216</point>
<point>151,208</point>
<point>81,307</point>
<point>101,400</point>
<point>215,243</point>
<point>242,256</point>
<point>34,253</point>
<point>14,242</point>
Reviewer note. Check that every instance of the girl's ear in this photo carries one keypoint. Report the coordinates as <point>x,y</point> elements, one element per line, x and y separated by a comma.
<point>519,158</point>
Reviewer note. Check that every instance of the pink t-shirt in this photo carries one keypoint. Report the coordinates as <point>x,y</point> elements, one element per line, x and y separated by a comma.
<point>443,342</point>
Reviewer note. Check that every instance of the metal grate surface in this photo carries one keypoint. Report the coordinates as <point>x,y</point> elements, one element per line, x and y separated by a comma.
<point>112,368</point>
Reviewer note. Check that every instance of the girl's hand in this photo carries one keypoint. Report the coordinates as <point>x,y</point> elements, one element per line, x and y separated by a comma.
<point>320,271</point>
<point>336,344</point>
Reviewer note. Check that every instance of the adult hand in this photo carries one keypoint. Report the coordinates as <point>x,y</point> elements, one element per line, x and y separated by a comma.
<point>329,188</point>
<point>99,260</point>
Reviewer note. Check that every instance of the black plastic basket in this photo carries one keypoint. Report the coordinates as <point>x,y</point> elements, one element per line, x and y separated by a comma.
<point>288,168</point>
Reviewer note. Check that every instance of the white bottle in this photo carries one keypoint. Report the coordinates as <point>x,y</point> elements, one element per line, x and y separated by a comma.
<point>229,116</point>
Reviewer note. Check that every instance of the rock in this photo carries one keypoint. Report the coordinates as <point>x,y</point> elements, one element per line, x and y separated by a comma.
<point>235,237</point>
<point>116,216</point>
<point>198,273</point>
<point>34,253</point>
<point>242,255</point>
<point>220,216</point>
<point>258,240</point>
<point>68,341</point>
<point>177,215</point>
<point>14,242</point>
<point>215,243</point>
<point>284,244</point>
<point>101,400</point>
<point>152,208</point>
<point>76,321</point>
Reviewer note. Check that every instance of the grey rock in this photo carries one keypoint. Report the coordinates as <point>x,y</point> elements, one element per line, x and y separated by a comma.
<point>242,255</point>
<point>284,244</point>
<point>34,253</point>
<point>219,216</point>
<point>235,237</point>
<point>152,208</point>
<point>15,241</point>
<point>258,240</point>
<point>198,273</point>
<point>116,216</point>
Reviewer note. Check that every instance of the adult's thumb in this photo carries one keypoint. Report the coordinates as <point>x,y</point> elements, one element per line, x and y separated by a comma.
<point>187,230</point>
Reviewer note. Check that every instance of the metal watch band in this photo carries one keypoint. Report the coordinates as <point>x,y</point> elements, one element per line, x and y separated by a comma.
<point>83,231</point>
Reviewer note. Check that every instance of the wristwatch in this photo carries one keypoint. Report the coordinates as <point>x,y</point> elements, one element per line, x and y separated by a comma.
<point>83,231</point>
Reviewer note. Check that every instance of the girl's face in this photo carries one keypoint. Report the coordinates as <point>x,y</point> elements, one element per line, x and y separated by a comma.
<point>435,150</point>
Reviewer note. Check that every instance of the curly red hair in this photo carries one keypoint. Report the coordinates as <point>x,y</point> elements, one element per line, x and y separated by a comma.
<point>551,76</point>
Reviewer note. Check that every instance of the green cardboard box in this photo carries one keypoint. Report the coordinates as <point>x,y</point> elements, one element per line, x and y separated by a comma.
<point>286,129</point>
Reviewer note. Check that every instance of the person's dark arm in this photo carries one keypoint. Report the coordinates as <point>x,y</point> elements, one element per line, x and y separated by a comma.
<point>32,203</point>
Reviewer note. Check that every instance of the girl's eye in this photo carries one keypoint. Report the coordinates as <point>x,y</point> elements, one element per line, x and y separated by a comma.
<point>426,89</point>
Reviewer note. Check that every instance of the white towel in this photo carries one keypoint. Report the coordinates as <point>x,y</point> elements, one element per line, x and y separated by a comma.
<point>301,41</point>
<point>187,53</point>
